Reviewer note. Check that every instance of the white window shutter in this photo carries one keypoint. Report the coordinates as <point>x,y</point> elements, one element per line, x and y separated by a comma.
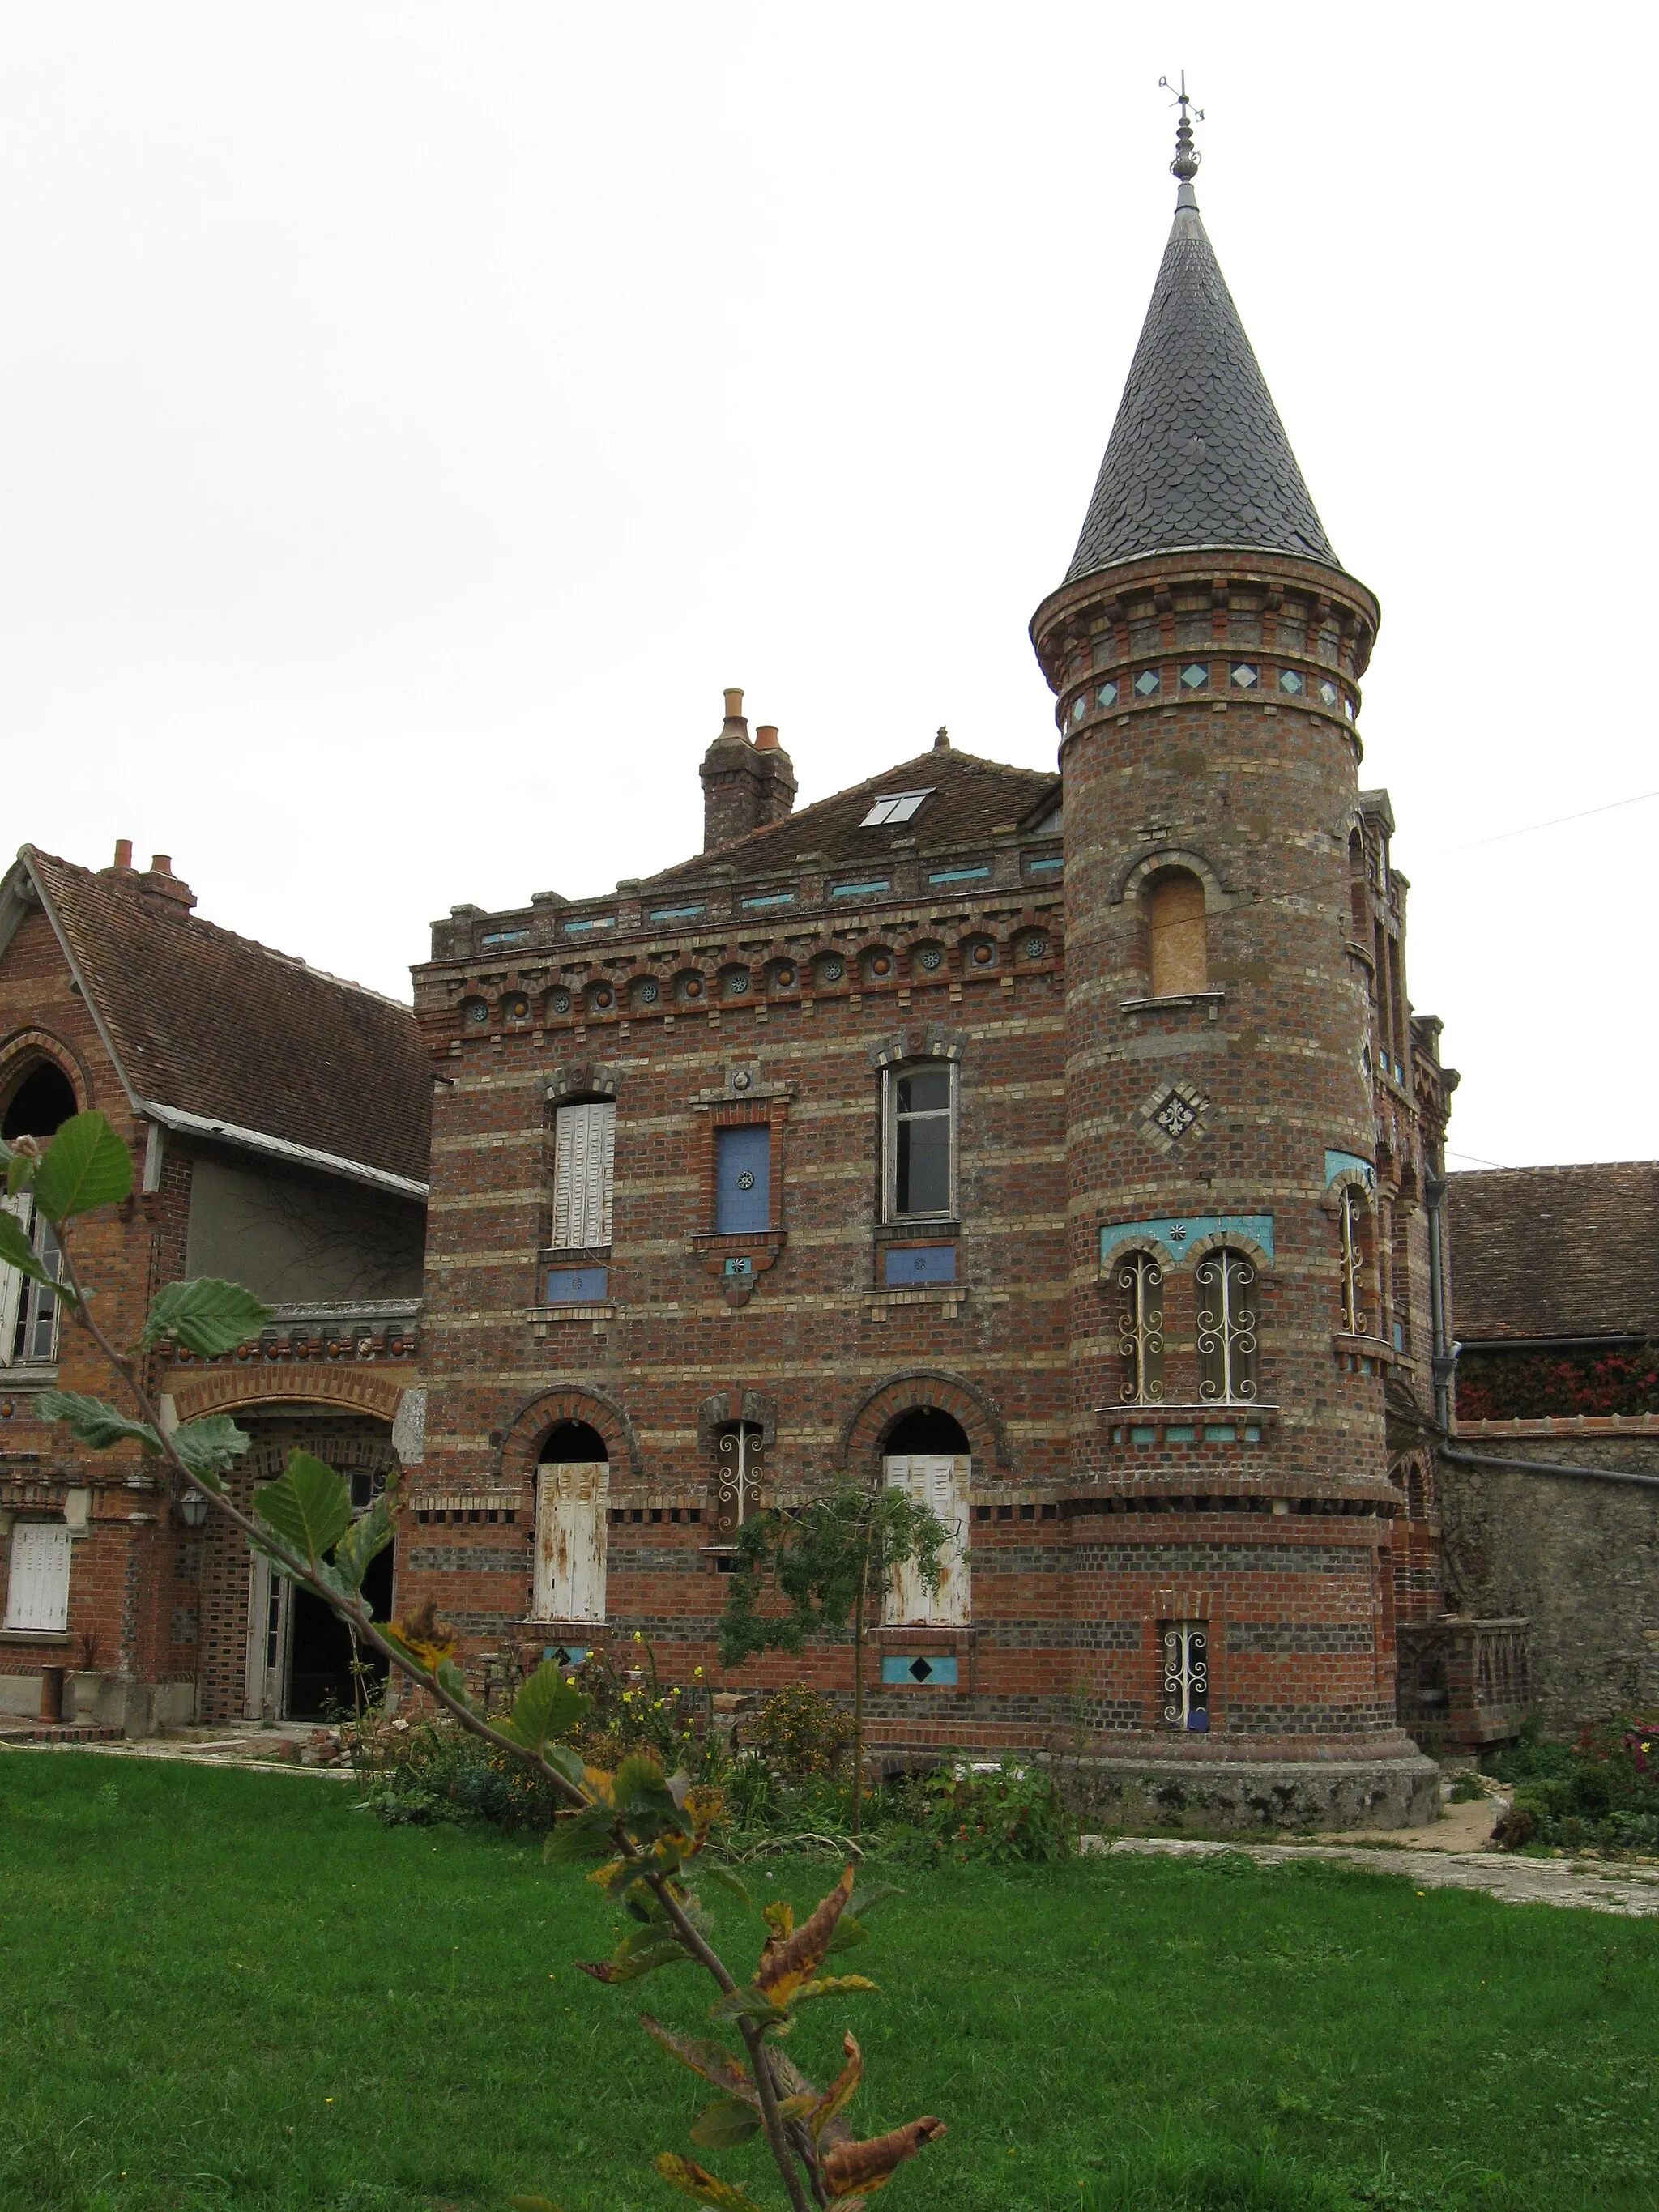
<point>37,1595</point>
<point>572,1520</point>
<point>21,1207</point>
<point>584,1159</point>
<point>942,1484</point>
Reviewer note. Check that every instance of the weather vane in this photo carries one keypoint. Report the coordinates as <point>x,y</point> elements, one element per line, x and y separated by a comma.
<point>1186,159</point>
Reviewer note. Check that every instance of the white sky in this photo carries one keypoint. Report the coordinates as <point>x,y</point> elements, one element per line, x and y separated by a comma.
<point>412,416</point>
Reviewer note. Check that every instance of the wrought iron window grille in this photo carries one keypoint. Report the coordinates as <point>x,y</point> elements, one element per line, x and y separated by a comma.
<point>742,1450</point>
<point>1226,1328</point>
<point>1187,1676</point>
<point>1141,1328</point>
<point>1353,1263</point>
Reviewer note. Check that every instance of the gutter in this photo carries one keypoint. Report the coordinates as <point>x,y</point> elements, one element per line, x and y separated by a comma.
<point>256,1140</point>
<point>1445,1356</point>
<point>1551,1467</point>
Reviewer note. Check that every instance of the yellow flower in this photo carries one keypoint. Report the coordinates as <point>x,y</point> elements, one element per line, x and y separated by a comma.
<point>638,1637</point>
<point>697,1672</point>
<point>570,1681</point>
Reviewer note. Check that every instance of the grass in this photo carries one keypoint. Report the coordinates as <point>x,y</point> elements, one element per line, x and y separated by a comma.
<point>232,1990</point>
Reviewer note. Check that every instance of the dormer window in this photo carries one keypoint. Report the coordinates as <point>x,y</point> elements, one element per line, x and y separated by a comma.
<point>895,807</point>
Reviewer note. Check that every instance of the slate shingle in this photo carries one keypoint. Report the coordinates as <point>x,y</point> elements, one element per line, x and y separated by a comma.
<point>1198,456</point>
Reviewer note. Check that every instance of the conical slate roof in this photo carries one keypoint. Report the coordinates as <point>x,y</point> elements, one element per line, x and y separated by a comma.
<point>1198,456</point>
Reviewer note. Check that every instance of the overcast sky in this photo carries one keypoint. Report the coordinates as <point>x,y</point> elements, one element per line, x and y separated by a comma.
<point>412,416</point>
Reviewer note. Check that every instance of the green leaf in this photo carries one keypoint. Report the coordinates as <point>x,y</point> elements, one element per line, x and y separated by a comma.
<point>628,1965</point>
<point>211,1446</point>
<point>547,1705</point>
<point>365,1540</point>
<point>580,1835</point>
<point>86,1165</point>
<point>208,1316</point>
<point>832,1985</point>
<point>724,2124</point>
<point>723,1878</point>
<point>309,1506</point>
<point>862,1900</point>
<point>16,1251</point>
<point>848,1933</point>
<point>449,1678</point>
<point>694,2180</point>
<point>707,2059</point>
<point>93,1422</point>
<point>19,1172</point>
<point>570,1763</point>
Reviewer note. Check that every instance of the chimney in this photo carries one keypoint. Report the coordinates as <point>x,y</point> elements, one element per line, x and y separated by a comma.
<point>745,786</point>
<point>124,853</point>
<point>942,742</point>
<point>158,882</point>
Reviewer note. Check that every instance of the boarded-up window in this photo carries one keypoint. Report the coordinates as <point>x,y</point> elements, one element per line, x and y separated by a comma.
<point>37,1595</point>
<point>1175,918</point>
<point>942,1484</point>
<point>570,1531</point>
<point>585,1147</point>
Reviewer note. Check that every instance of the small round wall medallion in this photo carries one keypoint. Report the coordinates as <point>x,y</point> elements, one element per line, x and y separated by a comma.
<point>930,957</point>
<point>982,956</point>
<point>746,1180</point>
<point>477,1011</point>
<point>517,1010</point>
<point>602,996</point>
<point>559,1002</point>
<point>738,983</point>
<point>742,1080</point>
<point>881,965</point>
<point>647,993</point>
<point>693,987</point>
<point>785,979</point>
<point>832,971</point>
<point>1036,947</point>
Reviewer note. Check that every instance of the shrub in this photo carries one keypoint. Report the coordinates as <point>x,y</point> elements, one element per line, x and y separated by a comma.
<point>999,1813</point>
<point>800,1732</point>
<point>1603,1790</point>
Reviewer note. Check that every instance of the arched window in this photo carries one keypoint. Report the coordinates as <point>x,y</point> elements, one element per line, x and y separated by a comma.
<point>741,1463</point>
<point>1359,902</point>
<point>572,1495</point>
<point>1138,1281</point>
<point>927,1454</point>
<point>1226,1327</point>
<point>1178,957</point>
<point>40,1104</point>
<point>1356,1223</point>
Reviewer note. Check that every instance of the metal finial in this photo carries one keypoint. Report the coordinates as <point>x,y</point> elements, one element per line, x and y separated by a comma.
<point>1187,157</point>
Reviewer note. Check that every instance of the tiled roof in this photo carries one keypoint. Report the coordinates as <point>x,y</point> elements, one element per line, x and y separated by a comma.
<point>969,798</point>
<point>213,1024</point>
<point>1569,1251</point>
<point>1198,456</point>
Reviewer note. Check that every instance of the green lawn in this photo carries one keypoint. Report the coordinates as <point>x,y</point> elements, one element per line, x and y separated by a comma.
<point>194,1964</point>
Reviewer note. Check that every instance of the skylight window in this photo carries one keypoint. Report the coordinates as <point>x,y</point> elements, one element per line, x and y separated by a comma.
<point>896,807</point>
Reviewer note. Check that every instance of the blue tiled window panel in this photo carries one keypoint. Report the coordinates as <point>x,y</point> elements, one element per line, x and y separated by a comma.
<point>1148,681</point>
<point>1106,695</point>
<point>908,1671</point>
<point>920,1263</point>
<point>1043,867</point>
<point>575,1286</point>
<point>871,890</point>
<point>590,921</point>
<point>1290,680</point>
<point>743,1181</point>
<point>1196,676</point>
<point>759,900</point>
<point>676,913</point>
<point>565,1655</point>
<point>504,937</point>
<point>958,875</point>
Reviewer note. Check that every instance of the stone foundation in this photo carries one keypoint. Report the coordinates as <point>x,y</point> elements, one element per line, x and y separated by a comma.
<point>1245,1794</point>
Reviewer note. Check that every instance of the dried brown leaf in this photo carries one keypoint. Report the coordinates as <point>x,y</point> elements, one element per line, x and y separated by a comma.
<point>866,2166</point>
<point>789,1960</point>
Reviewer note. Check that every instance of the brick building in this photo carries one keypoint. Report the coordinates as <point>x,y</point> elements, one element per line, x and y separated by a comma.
<point>277,1118</point>
<point>1055,1145</point>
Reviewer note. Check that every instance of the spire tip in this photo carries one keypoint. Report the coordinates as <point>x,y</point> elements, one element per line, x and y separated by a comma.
<point>1186,155</point>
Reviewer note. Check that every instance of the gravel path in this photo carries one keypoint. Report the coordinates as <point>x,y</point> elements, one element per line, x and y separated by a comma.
<point>1591,1886</point>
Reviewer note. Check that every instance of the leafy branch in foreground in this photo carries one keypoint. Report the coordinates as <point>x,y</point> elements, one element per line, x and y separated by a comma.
<point>646,1827</point>
<point>829,1559</point>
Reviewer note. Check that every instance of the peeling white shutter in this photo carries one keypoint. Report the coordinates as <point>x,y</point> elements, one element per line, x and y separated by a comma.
<point>584,1145</point>
<point>37,1595</point>
<point>941,1483</point>
<point>11,1278</point>
<point>571,1524</point>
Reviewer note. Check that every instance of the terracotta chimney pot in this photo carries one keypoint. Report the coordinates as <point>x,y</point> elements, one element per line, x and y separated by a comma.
<point>124,851</point>
<point>766,737</point>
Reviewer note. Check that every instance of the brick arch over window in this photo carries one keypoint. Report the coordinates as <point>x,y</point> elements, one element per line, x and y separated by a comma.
<point>887,1402</point>
<point>222,1391</point>
<point>1217,897</point>
<point>719,1411</point>
<point>522,1439</point>
<point>25,1048</point>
